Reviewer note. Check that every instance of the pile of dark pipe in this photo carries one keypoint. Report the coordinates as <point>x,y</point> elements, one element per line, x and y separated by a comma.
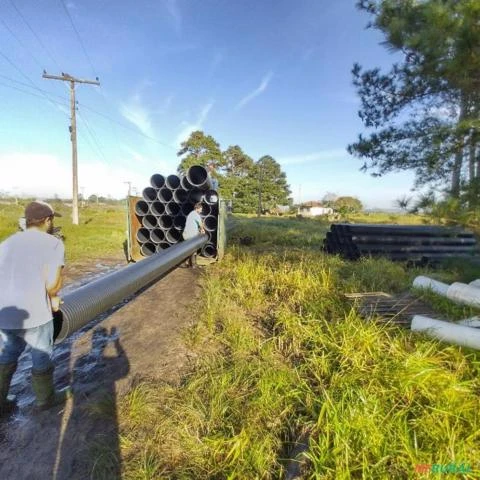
<point>418,244</point>
<point>165,205</point>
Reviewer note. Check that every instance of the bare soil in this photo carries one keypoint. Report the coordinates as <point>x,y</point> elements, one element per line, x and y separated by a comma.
<point>141,339</point>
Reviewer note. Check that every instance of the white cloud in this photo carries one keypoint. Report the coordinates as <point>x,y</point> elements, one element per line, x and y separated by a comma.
<point>323,155</point>
<point>139,116</point>
<point>188,128</point>
<point>44,175</point>
<point>260,89</point>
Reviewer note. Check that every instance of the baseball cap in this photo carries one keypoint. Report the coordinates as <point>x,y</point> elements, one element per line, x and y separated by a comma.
<point>37,210</point>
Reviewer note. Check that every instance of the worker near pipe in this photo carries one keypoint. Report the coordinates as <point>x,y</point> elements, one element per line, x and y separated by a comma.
<point>193,227</point>
<point>31,264</point>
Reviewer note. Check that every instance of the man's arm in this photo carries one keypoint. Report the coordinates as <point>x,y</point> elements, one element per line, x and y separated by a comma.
<point>54,288</point>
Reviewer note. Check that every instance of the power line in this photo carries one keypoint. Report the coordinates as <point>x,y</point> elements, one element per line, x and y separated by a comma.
<point>93,137</point>
<point>30,86</point>
<point>39,40</point>
<point>79,38</point>
<point>29,80</point>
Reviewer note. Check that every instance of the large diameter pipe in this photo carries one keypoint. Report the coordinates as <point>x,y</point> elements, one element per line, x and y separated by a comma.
<point>148,249</point>
<point>210,222</point>
<point>162,246</point>
<point>463,293</point>
<point>157,208</point>
<point>209,250</point>
<point>142,208</point>
<point>173,182</point>
<point>180,195</point>
<point>143,235</point>
<point>157,181</point>
<point>475,283</point>
<point>149,194</point>
<point>84,304</point>
<point>157,236</point>
<point>195,195</point>
<point>187,208</point>
<point>172,208</point>
<point>150,221</point>
<point>165,195</point>
<point>431,284</point>
<point>165,222</point>
<point>185,184</point>
<point>179,222</point>
<point>211,197</point>
<point>198,177</point>
<point>447,332</point>
<point>173,236</point>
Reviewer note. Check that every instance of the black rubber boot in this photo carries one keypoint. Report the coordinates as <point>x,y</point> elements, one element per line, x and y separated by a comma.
<point>7,404</point>
<point>47,396</point>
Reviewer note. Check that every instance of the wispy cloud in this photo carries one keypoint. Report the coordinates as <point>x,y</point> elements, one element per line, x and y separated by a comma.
<point>322,155</point>
<point>175,14</point>
<point>259,90</point>
<point>189,127</point>
<point>135,111</point>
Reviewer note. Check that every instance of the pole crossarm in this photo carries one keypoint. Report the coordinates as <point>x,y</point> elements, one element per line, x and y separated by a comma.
<point>65,77</point>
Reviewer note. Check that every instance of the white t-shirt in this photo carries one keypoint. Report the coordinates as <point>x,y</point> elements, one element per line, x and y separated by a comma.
<point>29,262</point>
<point>192,225</point>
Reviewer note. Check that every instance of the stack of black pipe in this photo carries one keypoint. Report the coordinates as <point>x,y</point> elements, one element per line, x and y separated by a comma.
<point>165,206</point>
<point>414,243</point>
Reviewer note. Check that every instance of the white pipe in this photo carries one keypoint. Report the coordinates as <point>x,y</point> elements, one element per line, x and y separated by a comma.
<point>475,283</point>
<point>463,293</point>
<point>447,332</point>
<point>470,322</point>
<point>431,284</point>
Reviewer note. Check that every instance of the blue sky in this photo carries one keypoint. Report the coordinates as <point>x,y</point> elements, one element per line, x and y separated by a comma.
<point>272,76</point>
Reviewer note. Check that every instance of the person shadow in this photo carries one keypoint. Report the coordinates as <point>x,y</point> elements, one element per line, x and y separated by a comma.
<point>89,445</point>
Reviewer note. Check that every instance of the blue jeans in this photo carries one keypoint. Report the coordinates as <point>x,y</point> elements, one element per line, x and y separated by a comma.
<point>40,339</point>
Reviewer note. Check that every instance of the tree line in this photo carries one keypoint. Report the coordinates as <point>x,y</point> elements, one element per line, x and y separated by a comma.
<point>253,186</point>
<point>424,114</point>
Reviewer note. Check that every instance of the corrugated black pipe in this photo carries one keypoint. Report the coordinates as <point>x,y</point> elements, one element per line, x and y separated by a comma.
<point>85,303</point>
<point>157,181</point>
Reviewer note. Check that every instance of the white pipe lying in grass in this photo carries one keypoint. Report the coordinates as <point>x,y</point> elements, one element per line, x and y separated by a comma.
<point>470,322</point>
<point>475,283</point>
<point>447,332</point>
<point>463,293</point>
<point>431,284</point>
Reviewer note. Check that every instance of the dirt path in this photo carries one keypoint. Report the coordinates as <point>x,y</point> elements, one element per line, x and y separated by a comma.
<point>141,339</point>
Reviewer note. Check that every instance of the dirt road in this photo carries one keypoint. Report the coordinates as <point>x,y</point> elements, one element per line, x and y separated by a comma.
<point>141,339</point>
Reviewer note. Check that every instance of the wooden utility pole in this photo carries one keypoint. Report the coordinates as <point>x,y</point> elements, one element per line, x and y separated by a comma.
<point>65,77</point>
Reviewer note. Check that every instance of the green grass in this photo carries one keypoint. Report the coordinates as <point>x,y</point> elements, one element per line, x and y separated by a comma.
<point>101,232</point>
<point>282,352</point>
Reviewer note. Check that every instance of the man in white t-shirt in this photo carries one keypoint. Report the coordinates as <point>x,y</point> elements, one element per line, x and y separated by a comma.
<point>193,227</point>
<point>31,264</point>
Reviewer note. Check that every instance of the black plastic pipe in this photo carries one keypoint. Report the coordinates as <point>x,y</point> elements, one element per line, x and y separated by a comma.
<point>209,250</point>
<point>180,195</point>
<point>195,195</point>
<point>198,177</point>
<point>143,235</point>
<point>187,208</point>
<point>162,246</point>
<point>173,182</point>
<point>157,181</point>
<point>142,208</point>
<point>410,230</point>
<point>149,221</point>
<point>211,197</point>
<point>148,249</point>
<point>157,208</point>
<point>172,208</point>
<point>84,304</point>
<point>210,222</point>
<point>165,195</point>
<point>165,222</point>
<point>149,194</point>
<point>185,184</point>
<point>414,240</point>
<point>173,236</point>
<point>157,236</point>
<point>179,222</point>
<point>206,209</point>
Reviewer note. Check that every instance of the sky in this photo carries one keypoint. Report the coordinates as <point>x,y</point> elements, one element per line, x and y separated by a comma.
<point>272,76</point>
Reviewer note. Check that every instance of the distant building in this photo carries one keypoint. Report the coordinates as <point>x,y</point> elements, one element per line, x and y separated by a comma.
<point>314,209</point>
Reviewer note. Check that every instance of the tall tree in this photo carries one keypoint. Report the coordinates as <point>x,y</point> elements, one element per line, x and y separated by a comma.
<point>272,184</point>
<point>425,111</point>
<point>199,149</point>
